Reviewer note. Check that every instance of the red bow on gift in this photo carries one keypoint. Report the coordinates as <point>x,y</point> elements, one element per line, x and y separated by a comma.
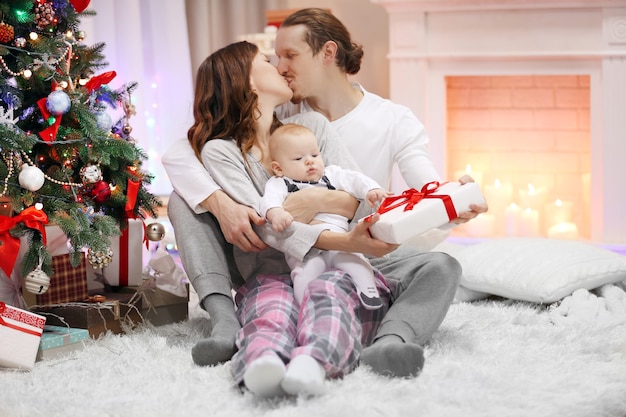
<point>32,218</point>
<point>409,198</point>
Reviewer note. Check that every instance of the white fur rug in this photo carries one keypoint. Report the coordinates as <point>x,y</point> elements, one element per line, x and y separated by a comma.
<point>489,358</point>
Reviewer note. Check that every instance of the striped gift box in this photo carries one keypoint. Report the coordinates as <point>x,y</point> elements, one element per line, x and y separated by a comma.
<point>20,334</point>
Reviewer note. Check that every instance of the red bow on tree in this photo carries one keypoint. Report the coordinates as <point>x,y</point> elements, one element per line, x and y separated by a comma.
<point>32,218</point>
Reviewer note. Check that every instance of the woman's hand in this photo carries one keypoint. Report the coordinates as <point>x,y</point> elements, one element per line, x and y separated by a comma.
<point>358,240</point>
<point>307,203</point>
<point>476,209</point>
<point>236,222</point>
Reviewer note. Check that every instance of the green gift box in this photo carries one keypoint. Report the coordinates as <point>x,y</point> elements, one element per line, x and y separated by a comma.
<point>58,340</point>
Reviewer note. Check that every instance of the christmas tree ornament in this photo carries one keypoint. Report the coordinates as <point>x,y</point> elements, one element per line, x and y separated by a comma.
<point>20,42</point>
<point>44,14</point>
<point>80,35</point>
<point>6,33</point>
<point>58,102</point>
<point>155,232</point>
<point>37,281</point>
<point>31,177</point>
<point>91,174</point>
<point>101,192</point>
<point>104,121</point>
<point>99,259</point>
<point>79,5</point>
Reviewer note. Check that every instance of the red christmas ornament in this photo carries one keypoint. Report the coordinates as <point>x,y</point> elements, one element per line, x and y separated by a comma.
<point>101,192</point>
<point>6,33</point>
<point>79,5</point>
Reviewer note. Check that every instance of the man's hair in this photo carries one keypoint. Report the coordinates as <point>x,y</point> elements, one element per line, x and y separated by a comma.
<point>322,26</point>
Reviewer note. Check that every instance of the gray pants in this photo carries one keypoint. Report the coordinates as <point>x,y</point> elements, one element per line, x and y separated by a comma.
<point>423,284</point>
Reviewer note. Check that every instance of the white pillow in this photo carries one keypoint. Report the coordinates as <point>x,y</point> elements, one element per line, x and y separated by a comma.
<point>538,270</point>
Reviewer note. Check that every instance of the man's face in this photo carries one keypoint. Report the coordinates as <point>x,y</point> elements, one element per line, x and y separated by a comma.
<point>296,62</point>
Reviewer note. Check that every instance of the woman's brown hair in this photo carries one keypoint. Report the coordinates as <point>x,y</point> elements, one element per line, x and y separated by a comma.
<point>225,106</point>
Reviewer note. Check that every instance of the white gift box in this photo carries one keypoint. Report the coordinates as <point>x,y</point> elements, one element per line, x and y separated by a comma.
<point>416,212</point>
<point>126,267</point>
<point>20,334</point>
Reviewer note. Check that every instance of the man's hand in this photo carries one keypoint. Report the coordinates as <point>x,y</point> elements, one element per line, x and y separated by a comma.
<point>235,221</point>
<point>476,209</point>
<point>307,203</point>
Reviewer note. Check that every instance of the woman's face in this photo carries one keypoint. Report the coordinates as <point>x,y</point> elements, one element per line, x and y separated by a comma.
<point>267,82</point>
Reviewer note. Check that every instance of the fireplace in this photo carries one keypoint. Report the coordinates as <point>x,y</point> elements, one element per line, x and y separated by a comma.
<point>434,43</point>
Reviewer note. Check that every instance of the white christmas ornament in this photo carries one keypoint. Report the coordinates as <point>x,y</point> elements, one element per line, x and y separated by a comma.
<point>58,102</point>
<point>104,121</point>
<point>31,177</point>
<point>91,174</point>
<point>37,281</point>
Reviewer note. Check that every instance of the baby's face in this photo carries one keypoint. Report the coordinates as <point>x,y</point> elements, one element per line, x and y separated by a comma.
<point>299,157</point>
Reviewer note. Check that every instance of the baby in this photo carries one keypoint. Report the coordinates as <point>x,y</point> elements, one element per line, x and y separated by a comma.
<point>297,164</point>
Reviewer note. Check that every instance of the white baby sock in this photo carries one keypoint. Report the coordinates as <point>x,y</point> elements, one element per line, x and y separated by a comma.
<point>304,376</point>
<point>264,375</point>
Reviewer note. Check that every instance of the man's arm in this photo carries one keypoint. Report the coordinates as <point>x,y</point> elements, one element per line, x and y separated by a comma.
<point>196,186</point>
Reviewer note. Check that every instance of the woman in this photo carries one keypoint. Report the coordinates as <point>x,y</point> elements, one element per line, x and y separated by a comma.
<point>237,90</point>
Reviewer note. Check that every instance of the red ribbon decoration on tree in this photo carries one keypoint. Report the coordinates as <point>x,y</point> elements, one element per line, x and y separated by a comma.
<point>49,134</point>
<point>96,82</point>
<point>411,197</point>
<point>32,218</point>
<point>79,5</point>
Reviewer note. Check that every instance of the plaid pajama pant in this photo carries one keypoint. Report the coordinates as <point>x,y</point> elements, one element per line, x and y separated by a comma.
<point>330,325</point>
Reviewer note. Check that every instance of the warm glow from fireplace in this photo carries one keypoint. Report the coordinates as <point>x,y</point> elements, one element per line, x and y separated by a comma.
<point>527,141</point>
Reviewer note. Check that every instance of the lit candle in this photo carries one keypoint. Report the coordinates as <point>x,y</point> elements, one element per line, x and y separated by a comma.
<point>534,198</point>
<point>498,197</point>
<point>563,230</point>
<point>476,176</point>
<point>482,225</point>
<point>528,225</point>
<point>558,212</point>
<point>511,219</point>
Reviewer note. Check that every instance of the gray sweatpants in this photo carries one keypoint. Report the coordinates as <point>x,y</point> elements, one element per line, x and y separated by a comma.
<point>423,284</point>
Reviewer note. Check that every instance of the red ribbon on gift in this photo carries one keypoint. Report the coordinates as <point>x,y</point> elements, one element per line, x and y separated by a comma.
<point>96,82</point>
<point>32,218</point>
<point>409,198</point>
<point>39,322</point>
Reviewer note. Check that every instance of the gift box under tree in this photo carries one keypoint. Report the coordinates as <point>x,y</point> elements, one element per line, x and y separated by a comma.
<point>59,340</point>
<point>414,212</point>
<point>20,334</point>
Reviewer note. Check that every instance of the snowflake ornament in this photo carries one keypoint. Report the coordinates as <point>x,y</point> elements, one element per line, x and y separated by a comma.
<point>46,61</point>
<point>6,117</point>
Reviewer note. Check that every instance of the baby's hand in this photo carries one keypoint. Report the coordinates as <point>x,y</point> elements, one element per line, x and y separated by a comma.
<point>279,219</point>
<point>375,196</point>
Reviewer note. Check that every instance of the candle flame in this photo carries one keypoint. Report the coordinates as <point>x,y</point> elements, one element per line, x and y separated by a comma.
<point>496,183</point>
<point>468,169</point>
<point>558,202</point>
<point>531,189</point>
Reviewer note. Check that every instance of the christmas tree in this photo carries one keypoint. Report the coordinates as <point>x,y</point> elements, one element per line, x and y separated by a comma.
<point>63,159</point>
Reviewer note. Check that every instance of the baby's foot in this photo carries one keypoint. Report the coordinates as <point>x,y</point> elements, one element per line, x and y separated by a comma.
<point>370,298</point>
<point>305,376</point>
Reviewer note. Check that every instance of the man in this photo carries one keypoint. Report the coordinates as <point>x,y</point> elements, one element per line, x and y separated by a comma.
<point>316,55</point>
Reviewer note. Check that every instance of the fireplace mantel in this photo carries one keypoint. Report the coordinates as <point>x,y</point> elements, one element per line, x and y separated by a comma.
<point>432,39</point>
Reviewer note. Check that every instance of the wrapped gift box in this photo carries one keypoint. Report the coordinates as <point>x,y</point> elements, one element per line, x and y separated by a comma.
<point>67,283</point>
<point>128,249</point>
<point>416,212</point>
<point>20,334</point>
<point>160,307</point>
<point>59,340</point>
<point>114,314</point>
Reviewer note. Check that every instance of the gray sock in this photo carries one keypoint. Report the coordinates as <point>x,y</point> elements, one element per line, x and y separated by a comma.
<point>220,346</point>
<point>391,356</point>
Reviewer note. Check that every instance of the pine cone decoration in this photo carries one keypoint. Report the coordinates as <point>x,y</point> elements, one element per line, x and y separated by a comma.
<point>44,15</point>
<point>7,33</point>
